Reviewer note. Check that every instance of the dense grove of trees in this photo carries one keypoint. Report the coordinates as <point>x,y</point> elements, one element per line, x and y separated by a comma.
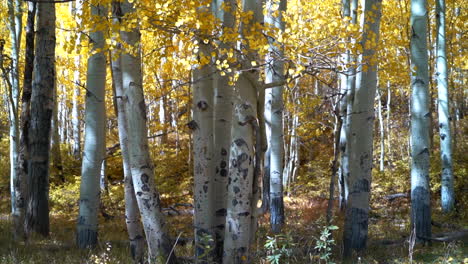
<point>230,106</point>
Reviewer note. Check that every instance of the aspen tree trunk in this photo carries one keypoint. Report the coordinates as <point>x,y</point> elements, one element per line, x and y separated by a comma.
<point>223,102</point>
<point>361,134</point>
<point>15,27</point>
<point>142,168</point>
<point>94,141</point>
<point>381,130</point>
<point>389,134</point>
<point>76,121</point>
<point>132,214</point>
<point>242,185</point>
<point>349,9</point>
<point>42,105</point>
<point>420,118</point>
<point>447,191</point>
<point>203,151</point>
<point>23,157</point>
<point>55,152</point>
<point>274,115</point>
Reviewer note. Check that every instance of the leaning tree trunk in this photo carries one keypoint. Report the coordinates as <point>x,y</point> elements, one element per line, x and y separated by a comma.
<point>420,118</point>
<point>132,214</point>
<point>42,106</point>
<point>447,191</point>
<point>361,134</point>
<point>142,168</point>
<point>274,115</point>
<point>94,142</point>
<point>23,156</point>
<point>15,27</point>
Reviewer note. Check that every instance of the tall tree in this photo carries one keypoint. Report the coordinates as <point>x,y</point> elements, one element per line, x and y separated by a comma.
<point>142,168</point>
<point>274,115</point>
<point>223,92</point>
<point>348,85</point>
<point>94,143</point>
<point>42,106</point>
<point>132,214</point>
<point>76,121</point>
<point>420,118</point>
<point>447,192</point>
<point>361,133</point>
<point>15,14</point>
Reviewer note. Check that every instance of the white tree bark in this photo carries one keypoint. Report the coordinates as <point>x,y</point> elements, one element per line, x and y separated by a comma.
<point>132,214</point>
<point>274,117</point>
<point>94,142</point>
<point>381,130</point>
<point>76,120</point>
<point>361,133</point>
<point>447,191</point>
<point>15,27</point>
<point>420,118</point>
<point>142,168</point>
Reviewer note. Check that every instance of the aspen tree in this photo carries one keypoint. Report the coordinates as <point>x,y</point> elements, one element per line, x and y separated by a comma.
<point>420,143</point>
<point>94,142</point>
<point>361,133</point>
<point>447,191</point>
<point>142,168</point>
<point>132,213</point>
<point>274,116</point>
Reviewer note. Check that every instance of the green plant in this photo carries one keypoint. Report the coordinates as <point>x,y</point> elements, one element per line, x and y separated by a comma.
<point>324,244</point>
<point>279,248</point>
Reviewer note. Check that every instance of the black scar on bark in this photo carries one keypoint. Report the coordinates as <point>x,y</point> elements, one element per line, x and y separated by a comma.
<point>142,107</point>
<point>234,163</point>
<point>223,172</point>
<point>192,125</point>
<point>360,220</point>
<point>144,178</point>
<point>202,105</point>
<point>244,214</point>
<point>221,212</point>
<point>245,173</point>
<point>241,158</point>
<point>205,188</point>
<point>139,193</point>
<point>145,188</point>
<point>234,202</point>
<point>236,189</point>
<point>223,164</point>
<point>239,142</point>
<point>223,152</point>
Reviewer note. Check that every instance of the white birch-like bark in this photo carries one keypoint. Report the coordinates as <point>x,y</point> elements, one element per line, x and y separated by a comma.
<point>347,88</point>
<point>420,118</point>
<point>132,214</point>
<point>447,191</point>
<point>94,141</point>
<point>15,27</point>
<point>76,120</point>
<point>141,165</point>
<point>361,133</point>
<point>274,116</point>
<point>223,102</point>
<point>381,130</point>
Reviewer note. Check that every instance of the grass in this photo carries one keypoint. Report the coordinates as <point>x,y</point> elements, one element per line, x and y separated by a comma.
<point>303,227</point>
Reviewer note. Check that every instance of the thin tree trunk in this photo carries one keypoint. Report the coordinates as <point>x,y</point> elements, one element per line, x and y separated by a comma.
<point>361,134</point>
<point>94,142</point>
<point>132,214</point>
<point>420,118</point>
<point>55,152</point>
<point>76,121</point>
<point>447,190</point>
<point>274,113</point>
<point>15,27</point>
<point>23,156</point>
<point>42,105</point>
<point>381,130</point>
<point>142,168</point>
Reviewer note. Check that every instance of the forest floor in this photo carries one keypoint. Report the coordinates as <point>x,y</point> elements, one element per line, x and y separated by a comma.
<point>388,238</point>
